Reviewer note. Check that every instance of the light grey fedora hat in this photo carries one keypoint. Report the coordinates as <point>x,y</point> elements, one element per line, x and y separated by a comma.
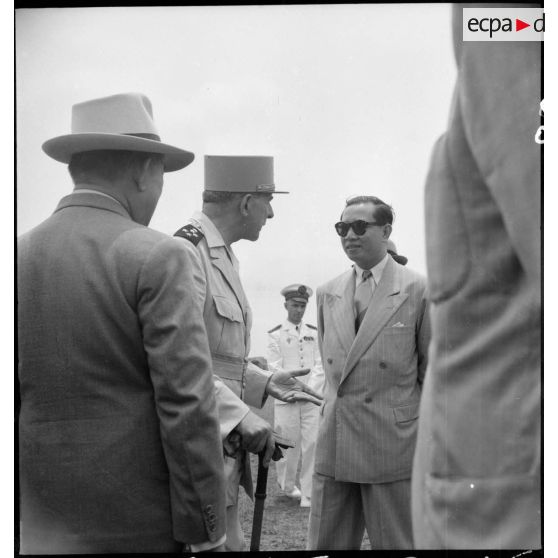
<point>119,122</point>
<point>240,173</point>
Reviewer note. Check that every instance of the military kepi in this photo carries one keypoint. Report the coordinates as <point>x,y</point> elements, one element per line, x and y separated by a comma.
<point>298,292</point>
<point>244,174</point>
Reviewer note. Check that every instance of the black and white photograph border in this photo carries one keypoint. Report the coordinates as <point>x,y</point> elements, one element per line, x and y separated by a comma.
<point>348,99</point>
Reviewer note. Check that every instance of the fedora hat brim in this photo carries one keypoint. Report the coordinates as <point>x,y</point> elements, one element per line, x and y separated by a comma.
<point>61,148</point>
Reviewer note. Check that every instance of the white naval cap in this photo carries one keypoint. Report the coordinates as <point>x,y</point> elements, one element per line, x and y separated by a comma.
<point>297,291</point>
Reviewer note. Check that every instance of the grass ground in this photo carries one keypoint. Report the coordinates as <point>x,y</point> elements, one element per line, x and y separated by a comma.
<point>285,523</point>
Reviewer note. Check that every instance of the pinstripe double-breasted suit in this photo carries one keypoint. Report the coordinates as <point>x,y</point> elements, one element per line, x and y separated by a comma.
<point>372,390</point>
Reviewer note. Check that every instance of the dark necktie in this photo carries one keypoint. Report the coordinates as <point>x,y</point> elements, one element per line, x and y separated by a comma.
<point>363,294</point>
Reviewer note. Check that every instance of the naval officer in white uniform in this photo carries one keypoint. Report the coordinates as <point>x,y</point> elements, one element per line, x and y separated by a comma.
<point>293,345</point>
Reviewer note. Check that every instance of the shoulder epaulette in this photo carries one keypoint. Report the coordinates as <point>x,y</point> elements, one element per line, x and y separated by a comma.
<point>312,327</point>
<point>191,233</point>
<point>274,329</point>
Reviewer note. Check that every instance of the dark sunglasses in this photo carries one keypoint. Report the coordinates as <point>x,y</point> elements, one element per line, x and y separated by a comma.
<point>359,227</point>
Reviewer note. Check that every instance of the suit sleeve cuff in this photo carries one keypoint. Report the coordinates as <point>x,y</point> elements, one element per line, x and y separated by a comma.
<point>256,383</point>
<point>230,408</point>
<point>208,545</point>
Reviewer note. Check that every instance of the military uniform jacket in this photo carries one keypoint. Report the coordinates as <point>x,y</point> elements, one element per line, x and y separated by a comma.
<point>119,447</point>
<point>289,349</point>
<point>228,320</point>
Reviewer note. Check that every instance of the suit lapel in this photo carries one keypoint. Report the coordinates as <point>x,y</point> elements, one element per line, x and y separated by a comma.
<point>385,301</point>
<point>341,306</point>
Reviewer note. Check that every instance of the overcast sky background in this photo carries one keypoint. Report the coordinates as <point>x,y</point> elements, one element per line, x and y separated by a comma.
<point>349,99</point>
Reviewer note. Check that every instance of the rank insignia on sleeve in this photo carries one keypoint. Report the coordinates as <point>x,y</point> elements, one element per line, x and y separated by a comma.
<point>191,233</point>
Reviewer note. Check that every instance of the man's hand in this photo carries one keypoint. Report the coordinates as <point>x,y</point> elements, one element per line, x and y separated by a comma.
<point>256,436</point>
<point>284,386</point>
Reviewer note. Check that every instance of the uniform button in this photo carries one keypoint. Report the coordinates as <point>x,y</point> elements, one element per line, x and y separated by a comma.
<point>329,360</point>
<point>383,364</point>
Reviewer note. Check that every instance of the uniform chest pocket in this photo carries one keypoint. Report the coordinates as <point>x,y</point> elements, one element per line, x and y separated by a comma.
<point>228,309</point>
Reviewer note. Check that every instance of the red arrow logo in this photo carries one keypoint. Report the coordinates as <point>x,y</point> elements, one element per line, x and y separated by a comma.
<point>519,25</point>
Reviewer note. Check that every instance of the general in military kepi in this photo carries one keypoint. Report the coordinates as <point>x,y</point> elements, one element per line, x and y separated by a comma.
<point>297,292</point>
<point>244,174</point>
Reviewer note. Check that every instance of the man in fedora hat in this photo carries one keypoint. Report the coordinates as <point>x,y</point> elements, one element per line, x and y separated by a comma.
<point>294,344</point>
<point>119,440</point>
<point>236,205</point>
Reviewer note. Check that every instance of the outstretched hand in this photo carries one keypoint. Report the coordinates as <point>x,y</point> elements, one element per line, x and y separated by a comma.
<point>284,386</point>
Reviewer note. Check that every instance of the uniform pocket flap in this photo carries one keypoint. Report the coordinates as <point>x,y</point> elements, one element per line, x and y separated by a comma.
<point>406,413</point>
<point>227,308</point>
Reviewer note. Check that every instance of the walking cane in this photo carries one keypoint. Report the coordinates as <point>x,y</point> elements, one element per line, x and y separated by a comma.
<point>261,490</point>
<point>261,486</point>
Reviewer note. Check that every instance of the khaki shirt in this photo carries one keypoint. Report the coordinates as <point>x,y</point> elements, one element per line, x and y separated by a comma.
<point>228,320</point>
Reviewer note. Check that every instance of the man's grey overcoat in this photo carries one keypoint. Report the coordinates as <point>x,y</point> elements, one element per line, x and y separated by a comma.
<point>119,446</point>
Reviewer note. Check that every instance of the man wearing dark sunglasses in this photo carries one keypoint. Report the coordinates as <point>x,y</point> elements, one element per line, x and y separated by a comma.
<point>373,331</point>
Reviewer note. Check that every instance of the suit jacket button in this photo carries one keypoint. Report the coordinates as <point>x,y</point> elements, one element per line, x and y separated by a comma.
<point>329,360</point>
<point>383,364</point>
<point>367,399</point>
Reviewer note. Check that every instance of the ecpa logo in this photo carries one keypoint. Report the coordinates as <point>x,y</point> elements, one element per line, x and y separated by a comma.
<point>503,24</point>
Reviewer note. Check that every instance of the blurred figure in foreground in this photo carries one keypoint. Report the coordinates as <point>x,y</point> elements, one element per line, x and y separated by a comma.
<point>294,344</point>
<point>476,477</point>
